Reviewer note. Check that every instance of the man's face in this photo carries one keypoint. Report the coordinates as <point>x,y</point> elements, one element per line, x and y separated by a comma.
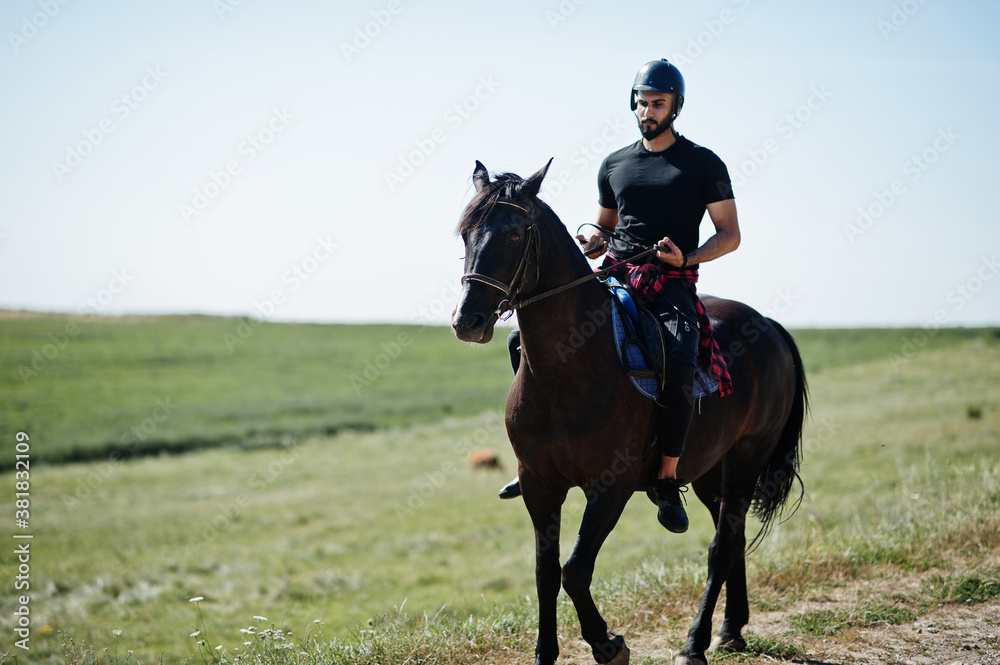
<point>653,112</point>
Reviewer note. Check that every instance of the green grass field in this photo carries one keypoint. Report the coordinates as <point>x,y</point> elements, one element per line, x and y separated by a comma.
<point>388,537</point>
<point>85,389</point>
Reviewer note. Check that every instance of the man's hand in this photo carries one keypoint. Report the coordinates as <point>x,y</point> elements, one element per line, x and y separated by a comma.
<point>671,254</point>
<point>593,247</point>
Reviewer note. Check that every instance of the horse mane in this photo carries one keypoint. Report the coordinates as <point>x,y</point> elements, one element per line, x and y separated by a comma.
<point>509,186</point>
<point>504,185</point>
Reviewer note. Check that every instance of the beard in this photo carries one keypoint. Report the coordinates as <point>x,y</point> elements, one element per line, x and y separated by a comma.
<point>650,133</point>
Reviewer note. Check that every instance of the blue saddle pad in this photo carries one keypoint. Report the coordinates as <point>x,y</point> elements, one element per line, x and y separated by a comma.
<point>632,356</point>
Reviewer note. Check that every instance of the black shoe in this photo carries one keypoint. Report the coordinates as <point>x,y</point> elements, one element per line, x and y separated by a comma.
<point>511,490</point>
<point>666,494</point>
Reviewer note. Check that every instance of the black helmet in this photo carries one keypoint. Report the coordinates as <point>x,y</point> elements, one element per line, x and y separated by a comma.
<point>659,76</point>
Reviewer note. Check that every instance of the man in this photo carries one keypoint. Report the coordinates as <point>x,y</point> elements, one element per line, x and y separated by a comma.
<point>656,191</point>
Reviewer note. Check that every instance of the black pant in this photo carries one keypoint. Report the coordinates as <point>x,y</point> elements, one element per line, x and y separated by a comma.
<point>676,310</point>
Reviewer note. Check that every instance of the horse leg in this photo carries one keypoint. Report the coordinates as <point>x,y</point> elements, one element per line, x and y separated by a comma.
<point>730,636</point>
<point>599,518</point>
<point>545,508</point>
<point>726,547</point>
<point>737,615</point>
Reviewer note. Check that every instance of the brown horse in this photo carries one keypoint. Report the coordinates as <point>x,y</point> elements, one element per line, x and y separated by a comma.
<point>574,420</point>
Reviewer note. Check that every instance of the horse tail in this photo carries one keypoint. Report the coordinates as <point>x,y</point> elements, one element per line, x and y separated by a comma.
<point>782,471</point>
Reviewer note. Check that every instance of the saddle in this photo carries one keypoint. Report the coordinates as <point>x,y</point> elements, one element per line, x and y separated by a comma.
<point>644,345</point>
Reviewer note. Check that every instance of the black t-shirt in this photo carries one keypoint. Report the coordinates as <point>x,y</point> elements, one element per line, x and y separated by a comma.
<point>661,194</point>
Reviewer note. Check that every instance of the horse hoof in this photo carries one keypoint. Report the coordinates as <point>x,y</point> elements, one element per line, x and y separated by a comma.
<point>622,657</point>
<point>689,660</point>
<point>728,644</point>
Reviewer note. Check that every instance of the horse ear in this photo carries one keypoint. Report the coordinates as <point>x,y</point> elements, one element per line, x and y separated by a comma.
<point>480,176</point>
<point>533,184</point>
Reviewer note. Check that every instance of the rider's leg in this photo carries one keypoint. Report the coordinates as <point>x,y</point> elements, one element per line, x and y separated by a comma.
<point>677,313</point>
<point>675,419</point>
<point>514,349</point>
<point>673,424</point>
<point>513,489</point>
<point>668,467</point>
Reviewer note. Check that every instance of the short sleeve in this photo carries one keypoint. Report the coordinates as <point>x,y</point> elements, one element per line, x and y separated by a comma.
<point>605,194</point>
<point>717,185</point>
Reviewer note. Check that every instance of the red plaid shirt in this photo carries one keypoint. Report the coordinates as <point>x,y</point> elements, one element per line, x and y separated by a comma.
<point>649,280</point>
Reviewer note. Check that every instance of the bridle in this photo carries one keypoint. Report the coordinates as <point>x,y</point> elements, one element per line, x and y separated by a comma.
<point>532,249</point>
<point>532,244</point>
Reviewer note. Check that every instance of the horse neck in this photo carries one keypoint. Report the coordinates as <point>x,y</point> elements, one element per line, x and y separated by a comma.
<point>569,322</point>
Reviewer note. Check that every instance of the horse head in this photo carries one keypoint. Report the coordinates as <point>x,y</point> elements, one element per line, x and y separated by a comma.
<point>502,243</point>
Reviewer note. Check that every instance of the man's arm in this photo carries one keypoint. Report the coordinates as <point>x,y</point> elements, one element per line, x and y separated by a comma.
<point>597,244</point>
<point>725,240</point>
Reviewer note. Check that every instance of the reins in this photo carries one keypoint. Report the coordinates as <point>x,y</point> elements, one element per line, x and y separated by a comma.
<point>507,305</point>
<point>581,280</point>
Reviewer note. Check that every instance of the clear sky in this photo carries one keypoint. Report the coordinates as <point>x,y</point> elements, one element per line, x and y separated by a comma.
<point>310,160</point>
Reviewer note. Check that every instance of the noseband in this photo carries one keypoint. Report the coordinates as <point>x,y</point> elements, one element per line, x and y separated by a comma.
<point>532,248</point>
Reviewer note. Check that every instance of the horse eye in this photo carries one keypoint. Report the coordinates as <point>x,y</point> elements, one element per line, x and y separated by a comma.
<point>514,237</point>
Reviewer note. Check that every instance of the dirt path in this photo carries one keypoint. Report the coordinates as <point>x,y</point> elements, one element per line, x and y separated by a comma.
<point>948,635</point>
<point>952,634</point>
